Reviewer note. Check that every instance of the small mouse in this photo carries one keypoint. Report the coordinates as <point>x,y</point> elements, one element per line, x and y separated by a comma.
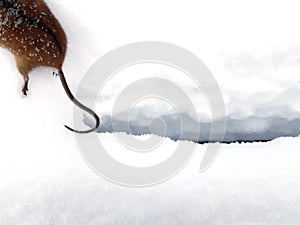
<point>30,31</point>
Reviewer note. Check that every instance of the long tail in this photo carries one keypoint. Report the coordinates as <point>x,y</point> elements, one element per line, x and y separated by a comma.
<point>77,103</point>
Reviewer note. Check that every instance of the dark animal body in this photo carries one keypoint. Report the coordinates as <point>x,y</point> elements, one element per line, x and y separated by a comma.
<point>30,31</point>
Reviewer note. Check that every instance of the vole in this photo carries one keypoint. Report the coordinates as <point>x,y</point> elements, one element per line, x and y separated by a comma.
<point>30,31</point>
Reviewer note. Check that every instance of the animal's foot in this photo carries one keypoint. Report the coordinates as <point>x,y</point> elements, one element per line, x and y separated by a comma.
<point>55,74</point>
<point>24,91</point>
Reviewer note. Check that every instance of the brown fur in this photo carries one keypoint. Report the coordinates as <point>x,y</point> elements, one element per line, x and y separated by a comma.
<point>34,36</point>
<point>32,33</point>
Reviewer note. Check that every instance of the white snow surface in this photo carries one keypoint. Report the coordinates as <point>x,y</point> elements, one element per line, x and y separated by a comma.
<point>254,55</point>
<point>256,68</point>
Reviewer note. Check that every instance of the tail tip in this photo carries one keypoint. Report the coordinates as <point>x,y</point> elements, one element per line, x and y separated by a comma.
<point>80,132</point>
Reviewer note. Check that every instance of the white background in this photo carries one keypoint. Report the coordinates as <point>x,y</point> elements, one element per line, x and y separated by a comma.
<point>251,47</point>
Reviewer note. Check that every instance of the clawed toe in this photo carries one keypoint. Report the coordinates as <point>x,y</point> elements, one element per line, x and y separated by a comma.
<point>25,87</point>
<point>24,92</point>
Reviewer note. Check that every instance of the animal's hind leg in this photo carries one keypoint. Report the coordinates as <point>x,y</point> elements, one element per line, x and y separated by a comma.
<point>25,87</point>
<point>24,68</point>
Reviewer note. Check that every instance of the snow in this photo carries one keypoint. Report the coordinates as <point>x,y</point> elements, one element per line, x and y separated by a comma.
<point>44,179</point>
<point>248,184</point>
<point>169,125</point>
